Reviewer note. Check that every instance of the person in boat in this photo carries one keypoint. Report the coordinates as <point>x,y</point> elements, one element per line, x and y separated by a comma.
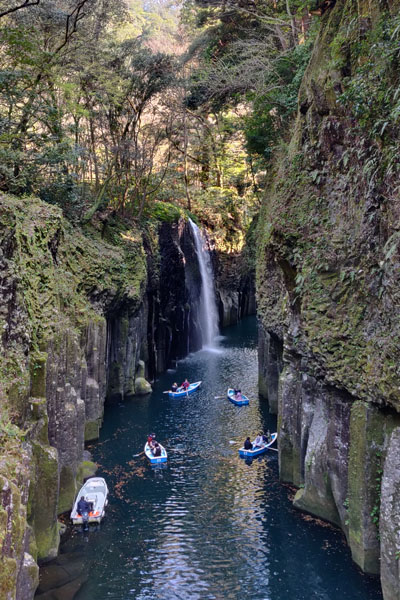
<point>151,440</point>
<point>174,387</point>
<point>84,506</point>
<point>259,442</point>
<point>157,449</point>
<point>267,437</point>
<point>185,385</point>
<point>247,444</point>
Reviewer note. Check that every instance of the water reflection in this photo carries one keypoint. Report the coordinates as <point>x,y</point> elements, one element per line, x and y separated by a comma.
<point>208,524</point>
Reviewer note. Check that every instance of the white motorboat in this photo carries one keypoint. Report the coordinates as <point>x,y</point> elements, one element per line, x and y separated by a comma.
<point>95,492</point>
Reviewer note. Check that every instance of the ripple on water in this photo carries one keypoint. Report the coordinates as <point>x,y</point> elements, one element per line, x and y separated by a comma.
<point>208,525</point>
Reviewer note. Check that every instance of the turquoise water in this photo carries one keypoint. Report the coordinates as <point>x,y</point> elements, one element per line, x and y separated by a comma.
<point>208,525</point>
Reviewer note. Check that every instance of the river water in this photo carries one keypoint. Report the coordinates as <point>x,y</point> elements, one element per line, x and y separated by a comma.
<point>208,526</point>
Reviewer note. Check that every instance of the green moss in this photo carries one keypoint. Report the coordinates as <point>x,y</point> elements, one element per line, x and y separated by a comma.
<point>368,429</point>
<point>164,211</point>
<point>8,577</point>
<point>38,374</point>
<point>92,430</point>
<point>67,490</point>
<point>86,469</point>
<point>43,497</point>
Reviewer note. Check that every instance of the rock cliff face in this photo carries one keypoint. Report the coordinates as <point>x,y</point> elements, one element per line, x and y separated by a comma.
<point>328,288</point>
<point>58,287</point>
<point>235,284</point>
<point>85,316</point>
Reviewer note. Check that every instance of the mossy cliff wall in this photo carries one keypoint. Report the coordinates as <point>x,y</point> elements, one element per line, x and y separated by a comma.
<point>85,315</point>
<point>58,287</point>
<point>328,286</point>
<point>235,282</point>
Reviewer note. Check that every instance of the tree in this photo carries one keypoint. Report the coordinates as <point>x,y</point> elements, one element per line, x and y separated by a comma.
<point>13,9</point>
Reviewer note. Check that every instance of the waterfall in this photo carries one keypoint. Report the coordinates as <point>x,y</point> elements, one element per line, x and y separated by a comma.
<point>208,309</point>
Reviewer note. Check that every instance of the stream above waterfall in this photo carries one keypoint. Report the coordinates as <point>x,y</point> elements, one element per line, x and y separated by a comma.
<point>208,526</point>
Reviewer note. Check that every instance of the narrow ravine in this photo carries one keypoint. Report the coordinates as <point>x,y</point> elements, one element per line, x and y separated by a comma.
<point>208,525</point>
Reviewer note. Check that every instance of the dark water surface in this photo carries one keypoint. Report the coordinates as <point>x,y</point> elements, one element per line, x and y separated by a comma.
<point>207,525</point>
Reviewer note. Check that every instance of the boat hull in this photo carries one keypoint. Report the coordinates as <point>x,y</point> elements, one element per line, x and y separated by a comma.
<point>231,397</point>
<point>94,490</point>
<point>257,451</point>
<point>182,393</point>
<point>155,460</point>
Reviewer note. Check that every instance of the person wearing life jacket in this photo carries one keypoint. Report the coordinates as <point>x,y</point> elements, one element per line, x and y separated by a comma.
<point>185,385</point>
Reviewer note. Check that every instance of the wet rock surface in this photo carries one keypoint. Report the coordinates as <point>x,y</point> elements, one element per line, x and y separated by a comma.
<point>328,291</point>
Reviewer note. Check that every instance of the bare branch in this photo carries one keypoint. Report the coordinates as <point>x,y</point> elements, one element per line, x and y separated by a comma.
<point>71,24</point>
<point>24,5</point>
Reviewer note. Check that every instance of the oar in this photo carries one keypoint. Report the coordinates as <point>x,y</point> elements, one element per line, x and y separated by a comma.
<point>137,455</point>
<point>218,397</point>
<point>166,392</point>
<point>274,449</point>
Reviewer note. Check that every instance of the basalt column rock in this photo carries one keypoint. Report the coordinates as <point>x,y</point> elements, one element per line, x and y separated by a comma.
<point>389,520</point>
<point>127,345</point>
<point>173,299</point>
<point>58,286</point>
<point>269,367</point>
<point>370,434</point>
<point>328,287</point>
<point>235,284</point>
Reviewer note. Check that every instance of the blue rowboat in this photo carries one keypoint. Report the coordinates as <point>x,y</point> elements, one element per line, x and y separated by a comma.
<point>155,460</point>
<point>231,396</point>
<point>181,393</point>
<point>257,451</point>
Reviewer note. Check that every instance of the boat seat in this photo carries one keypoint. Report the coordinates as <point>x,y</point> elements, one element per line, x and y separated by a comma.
<point>97,499</point>
<point>92,498</point>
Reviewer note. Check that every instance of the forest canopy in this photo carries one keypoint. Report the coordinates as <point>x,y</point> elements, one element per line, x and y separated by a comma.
<point>118,105</point>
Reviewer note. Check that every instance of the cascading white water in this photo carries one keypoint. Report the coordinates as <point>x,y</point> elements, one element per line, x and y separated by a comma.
<point>208,308</point>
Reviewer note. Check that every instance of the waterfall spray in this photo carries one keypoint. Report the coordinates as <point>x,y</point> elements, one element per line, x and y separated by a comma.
<point>208,308</point>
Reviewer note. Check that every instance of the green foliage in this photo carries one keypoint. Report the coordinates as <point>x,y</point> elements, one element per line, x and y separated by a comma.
<point>72,122</point>
<point>8,430</point>
<point>273,110</point>
<point>165,211</point>
<point>372,91</point>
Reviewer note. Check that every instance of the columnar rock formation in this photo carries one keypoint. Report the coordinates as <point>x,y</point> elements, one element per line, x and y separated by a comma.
<point>328,291</point>
<point>58,287</point>
<point>85,316</point>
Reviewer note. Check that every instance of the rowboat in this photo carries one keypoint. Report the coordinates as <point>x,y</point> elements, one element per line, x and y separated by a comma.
<point>231,396</point>
<point>94,491</point>
<point>257,451</point>
<point>155,460</point>
<point>181,393</point>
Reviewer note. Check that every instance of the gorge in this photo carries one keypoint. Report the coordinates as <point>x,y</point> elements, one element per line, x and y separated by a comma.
<point>100,286</point>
